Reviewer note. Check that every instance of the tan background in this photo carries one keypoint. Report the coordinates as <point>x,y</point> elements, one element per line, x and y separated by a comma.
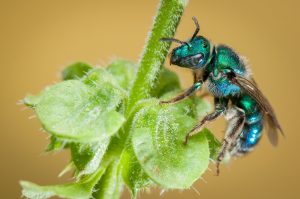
<point>38,38</point>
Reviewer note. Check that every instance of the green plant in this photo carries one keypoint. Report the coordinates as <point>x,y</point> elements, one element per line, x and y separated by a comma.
<point>111,121</point>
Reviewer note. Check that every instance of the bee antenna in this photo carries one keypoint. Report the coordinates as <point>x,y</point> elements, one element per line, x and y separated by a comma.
<point>174,40</point>
<point>197,27</point>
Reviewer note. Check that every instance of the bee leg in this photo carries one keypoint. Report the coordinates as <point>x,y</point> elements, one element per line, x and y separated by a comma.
<point>208,118</point>
<point>196,86</point>
<point>197,75</point>
<point>236,118</point>
<point>220,107</point>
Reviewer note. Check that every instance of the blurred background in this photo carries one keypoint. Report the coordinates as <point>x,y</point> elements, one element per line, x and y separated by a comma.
<point>38,38</point>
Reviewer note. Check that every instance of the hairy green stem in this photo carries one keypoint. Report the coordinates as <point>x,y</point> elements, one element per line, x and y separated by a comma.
<point>153,57</point>
<point>155,51</point>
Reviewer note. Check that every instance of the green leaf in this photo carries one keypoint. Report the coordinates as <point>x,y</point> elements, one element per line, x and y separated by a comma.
<point>87,157</point>
<point>56,144</point>
<point>202,107</point>
<point>75,71</point>
<point>31,100</point>
<point>124,72</point>
<point>133,174</point>
<point>167,81</point>
<point>110,184</point>
<point>214,144</point>
<point>157,140</point>
<point>75,111</point>
<point>78,190</point>
<point>101,78</point>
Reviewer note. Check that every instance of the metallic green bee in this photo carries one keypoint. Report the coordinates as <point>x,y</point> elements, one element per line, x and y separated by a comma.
<point>236,95</point>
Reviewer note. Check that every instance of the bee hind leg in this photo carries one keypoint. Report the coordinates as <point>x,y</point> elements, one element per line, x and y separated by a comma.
<point>236,118</point>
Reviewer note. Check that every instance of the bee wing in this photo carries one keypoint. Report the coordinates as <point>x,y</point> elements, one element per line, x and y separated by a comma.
<point>251,88</point>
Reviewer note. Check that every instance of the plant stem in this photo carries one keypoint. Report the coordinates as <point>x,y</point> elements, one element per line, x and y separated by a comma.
<point>153,57</point>
<point>155,51</point>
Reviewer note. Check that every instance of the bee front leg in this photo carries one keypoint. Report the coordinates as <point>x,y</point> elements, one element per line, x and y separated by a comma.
<point>197,75</point>
<point>220,107</point>
<point>196,86</point>
<point>236,118</point>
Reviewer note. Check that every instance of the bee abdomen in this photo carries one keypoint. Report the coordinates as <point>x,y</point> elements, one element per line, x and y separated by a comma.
<point>252,130</point>
<point>250,136</point>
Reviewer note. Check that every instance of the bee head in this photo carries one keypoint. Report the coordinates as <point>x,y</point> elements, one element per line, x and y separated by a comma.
<point>194,53</point>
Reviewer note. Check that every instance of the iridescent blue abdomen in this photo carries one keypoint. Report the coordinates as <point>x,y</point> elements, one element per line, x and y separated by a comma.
<point>252,129</point>
<point>250,136</point>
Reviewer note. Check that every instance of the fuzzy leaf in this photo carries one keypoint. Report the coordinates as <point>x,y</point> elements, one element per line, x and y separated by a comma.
<point>110,183</point>
<point>132,172</point>
<point>202,107</point>
<point>78,190</point>
<point>157,140</point>
<point>167,81</point>
<point>87,157</point>
<point>75,111</point>
<point>124,72</point>
<point>101,78</point>
<point>194,106</point>
<point>214,144</point>
<point>75,71</point>
<point>56,144</point>
<point>32,100</point>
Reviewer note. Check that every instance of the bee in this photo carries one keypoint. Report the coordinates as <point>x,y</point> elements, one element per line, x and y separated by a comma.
<point>227,77</point>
